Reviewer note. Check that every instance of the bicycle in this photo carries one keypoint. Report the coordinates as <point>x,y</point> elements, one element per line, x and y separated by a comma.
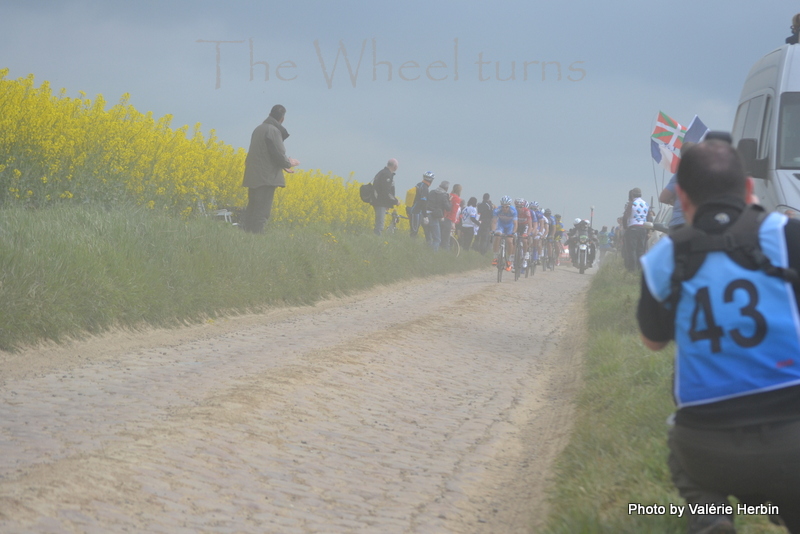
<point>392,228</point>
<point>455,246</point>
<point>502,256</point>
<point>540,259</point>
<point>519,257</point>
<point>559,248</point>
<point>551,254</point>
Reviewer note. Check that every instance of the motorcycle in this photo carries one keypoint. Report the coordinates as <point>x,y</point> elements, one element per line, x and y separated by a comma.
<point>583,251</point>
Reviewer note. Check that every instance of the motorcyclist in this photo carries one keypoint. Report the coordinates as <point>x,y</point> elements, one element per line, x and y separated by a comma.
<point>580,226</point>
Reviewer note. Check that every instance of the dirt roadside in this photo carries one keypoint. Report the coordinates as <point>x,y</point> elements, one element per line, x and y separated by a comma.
<point>428,406</point>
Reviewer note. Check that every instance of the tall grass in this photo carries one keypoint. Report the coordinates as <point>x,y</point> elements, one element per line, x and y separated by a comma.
<point>69,269</point>
<point>617,454</point>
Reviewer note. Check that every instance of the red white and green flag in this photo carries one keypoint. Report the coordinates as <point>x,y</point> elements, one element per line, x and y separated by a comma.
<point>668,132</point>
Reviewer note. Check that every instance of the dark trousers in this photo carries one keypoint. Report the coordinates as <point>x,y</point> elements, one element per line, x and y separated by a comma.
<point>635,246</point>
<point>756,464</point>
<point>413,222</point>
<point>484,238</point>
<point>467,235</point>
<point>446,225</point>
<point>259,208</point>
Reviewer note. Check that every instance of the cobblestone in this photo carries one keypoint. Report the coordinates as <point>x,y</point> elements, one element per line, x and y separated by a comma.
<point>403,410</point>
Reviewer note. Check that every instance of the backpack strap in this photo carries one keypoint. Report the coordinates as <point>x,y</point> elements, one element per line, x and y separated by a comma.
<point>740,242</point>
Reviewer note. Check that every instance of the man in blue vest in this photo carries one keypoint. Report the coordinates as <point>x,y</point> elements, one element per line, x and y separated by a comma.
<point>725,288</point>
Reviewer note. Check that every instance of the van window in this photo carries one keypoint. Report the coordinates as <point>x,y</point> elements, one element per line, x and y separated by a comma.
<point>789,132</point>
<point>763,143</point>
<point>738,123</point>
<point>752,122</point>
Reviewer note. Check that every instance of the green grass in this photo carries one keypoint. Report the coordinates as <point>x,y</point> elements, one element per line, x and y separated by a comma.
<point>618,453</point>
<point>70,270</point>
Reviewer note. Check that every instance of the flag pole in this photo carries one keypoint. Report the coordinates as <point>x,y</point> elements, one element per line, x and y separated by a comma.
<point>655,178</point>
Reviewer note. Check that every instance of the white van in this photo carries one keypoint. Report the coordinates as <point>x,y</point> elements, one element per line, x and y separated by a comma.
<point>767,128</point>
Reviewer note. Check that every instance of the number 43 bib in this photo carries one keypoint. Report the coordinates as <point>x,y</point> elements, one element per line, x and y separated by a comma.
<point>737,331</point>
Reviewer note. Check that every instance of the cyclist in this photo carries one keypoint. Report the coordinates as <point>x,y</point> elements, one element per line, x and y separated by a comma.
<point>504,221</point>
<point>551,230</point>
<point>558,234</point>
<point>541,230</point>
<point>524,224</point>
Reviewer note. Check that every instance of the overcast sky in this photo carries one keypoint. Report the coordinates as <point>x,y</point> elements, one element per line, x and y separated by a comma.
<point>469,90</point>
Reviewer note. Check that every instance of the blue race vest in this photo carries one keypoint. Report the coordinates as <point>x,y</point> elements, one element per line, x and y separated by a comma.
<point>737,331</point>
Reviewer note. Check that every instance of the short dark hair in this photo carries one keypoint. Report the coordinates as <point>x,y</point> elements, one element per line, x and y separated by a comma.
<point>278,112</point>
<point>486,196</point>
<point>709,169</point>
<point>472,201</point>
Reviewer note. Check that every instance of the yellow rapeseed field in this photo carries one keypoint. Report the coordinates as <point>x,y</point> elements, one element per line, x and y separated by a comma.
<point>54,148</point>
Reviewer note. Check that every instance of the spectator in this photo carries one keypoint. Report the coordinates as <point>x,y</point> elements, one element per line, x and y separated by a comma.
<point>438,206</point>
<point>461,207</point>
<point>720,288</point>
<point>419,211</point>
<point>619,238</point>
<point>603,242</point>
<point>669,196</point>
<point>636,214</point>
<point>793,39</point>
<point>485,214</point>
<point>384,187</point>
<point>411,196</point>
<point>451,217</point>
<point>469,223</point>
<point>263,169</point>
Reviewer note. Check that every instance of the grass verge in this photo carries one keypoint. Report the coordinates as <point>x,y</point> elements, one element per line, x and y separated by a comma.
<point>69,270</point>
<point>617,454</point>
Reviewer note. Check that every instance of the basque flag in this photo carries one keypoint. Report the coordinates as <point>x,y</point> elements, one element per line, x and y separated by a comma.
<point>668,131</point>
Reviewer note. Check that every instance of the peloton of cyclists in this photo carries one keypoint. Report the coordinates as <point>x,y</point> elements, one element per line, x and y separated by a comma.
<point>504,221</point>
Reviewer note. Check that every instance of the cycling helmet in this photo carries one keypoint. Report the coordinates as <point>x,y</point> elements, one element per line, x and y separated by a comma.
<point>428,176</point>
<point>505,201</point>
<point>535,205</point>
<point>558,217</point>
<point>577,221</point>
<point>547,211</point>
<point>520,203</point>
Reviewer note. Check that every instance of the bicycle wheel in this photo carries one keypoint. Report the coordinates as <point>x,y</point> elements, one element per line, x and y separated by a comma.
<point>454,245</point>
<point>527,268</point>
<point>501,262</point>
<point>518,259</point>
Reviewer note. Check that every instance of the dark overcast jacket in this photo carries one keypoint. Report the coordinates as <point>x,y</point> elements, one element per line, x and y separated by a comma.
<point>266,158</point>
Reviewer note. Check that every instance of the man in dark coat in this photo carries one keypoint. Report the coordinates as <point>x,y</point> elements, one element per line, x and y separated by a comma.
<point>384,187</point>
<point>419,211</point>
<point>438,205</point>
<point>485,210</point>
<point>263,169</point>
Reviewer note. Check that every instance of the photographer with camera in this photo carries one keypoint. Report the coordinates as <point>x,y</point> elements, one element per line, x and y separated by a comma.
<point>725,289</point>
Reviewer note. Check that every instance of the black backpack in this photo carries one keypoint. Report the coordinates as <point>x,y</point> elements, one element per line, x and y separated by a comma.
<point>368,193</point>
<point>740,242</point>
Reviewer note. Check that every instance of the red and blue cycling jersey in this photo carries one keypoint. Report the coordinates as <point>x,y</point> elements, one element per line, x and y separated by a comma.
<point>524,221</point>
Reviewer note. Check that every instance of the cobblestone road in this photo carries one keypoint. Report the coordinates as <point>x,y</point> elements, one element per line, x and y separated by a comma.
<point>428,407</point>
